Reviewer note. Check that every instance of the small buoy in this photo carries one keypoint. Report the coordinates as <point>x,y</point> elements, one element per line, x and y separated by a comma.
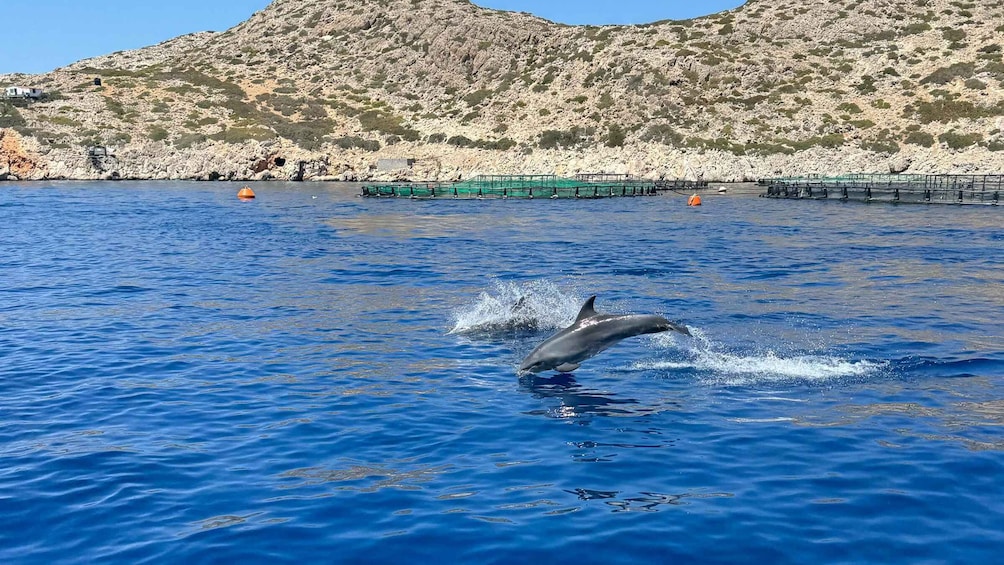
<point>694,200</point>
<point>245,193</point>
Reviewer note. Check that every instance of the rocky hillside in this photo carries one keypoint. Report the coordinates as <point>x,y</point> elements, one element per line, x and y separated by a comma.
<point>326,88</point>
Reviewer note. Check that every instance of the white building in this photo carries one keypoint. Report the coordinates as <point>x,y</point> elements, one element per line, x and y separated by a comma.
<point>22,92</point>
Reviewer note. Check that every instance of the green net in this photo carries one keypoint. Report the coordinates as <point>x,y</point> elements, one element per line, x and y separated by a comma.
<point>519,186</point>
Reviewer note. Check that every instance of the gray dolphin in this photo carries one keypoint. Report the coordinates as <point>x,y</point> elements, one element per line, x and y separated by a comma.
<point>590,334</point>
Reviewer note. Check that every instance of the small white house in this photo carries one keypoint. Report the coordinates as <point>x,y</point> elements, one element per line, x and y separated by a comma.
<point>22,92</point>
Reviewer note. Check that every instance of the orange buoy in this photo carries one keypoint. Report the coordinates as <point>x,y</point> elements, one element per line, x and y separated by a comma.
<point>694,200</point>
<point>245,193</point>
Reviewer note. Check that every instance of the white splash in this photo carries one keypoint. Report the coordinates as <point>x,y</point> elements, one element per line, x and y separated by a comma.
<point>716,366</point>
<point>509,307</point>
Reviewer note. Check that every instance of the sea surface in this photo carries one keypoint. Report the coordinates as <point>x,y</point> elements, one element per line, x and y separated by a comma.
<point>315,377</point>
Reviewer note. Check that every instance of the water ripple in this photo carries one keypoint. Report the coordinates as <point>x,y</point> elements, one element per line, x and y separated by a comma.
<point>314,374</point>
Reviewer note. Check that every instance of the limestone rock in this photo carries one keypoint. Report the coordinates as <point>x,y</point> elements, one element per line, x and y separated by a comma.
<point>309,89</point>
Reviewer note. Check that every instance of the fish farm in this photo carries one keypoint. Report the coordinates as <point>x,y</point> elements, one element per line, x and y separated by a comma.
<point>532,186</point>
<point>918,189</point>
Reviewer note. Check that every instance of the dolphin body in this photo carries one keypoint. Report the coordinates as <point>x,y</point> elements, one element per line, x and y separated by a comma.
<point>590,334</point>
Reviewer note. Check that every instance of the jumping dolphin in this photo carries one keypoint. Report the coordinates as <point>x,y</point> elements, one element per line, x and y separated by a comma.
<point>590,334</point>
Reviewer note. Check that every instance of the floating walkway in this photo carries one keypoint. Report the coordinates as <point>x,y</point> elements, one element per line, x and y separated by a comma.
<point>532,186</point>
<point>920,189</point>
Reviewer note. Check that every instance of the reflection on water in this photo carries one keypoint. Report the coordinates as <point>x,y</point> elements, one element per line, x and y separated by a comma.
<point>366,478</point>
<point>645,501</point>
<point>575,400</point>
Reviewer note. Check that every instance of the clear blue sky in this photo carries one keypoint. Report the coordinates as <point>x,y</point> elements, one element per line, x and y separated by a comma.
<point>40,35</point>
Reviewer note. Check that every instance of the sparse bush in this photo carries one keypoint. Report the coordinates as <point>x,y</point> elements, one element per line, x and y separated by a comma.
<point>477,97</point>
<point>189,139</point>
<point>553,139</point>
<point>954,36</point>
<point>309,135</point>
<point>959,140</point>
<point>157,133</point>
<point>867,85</point>
<point>944,111</point>
<point>10,117</point>
<point>460,141</point>
<point>918,27</point>
<point>353,142</point>
<point>615,136</point>
<point>243,134</point>
<point>849,107</point>
<point>378,120</point>
<point>663,133</point>
<point>921,138</point>
<point>881,146</point>
<point>947,74</point>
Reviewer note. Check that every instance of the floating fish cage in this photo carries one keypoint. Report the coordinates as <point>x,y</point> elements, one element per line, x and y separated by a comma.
<point>529,186</point>
<point>922,189</point>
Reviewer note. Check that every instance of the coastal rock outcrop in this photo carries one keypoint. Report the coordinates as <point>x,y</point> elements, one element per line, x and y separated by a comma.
<point>321,89</point>
<point>17,161</point>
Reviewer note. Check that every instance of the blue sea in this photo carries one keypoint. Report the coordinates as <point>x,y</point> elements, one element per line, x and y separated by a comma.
<point>315,377</point>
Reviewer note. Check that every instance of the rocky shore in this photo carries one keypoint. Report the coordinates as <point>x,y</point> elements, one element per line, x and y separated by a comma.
<point>26,159</point>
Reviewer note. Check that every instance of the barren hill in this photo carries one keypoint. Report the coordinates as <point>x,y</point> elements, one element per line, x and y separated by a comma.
<point>325,88</point>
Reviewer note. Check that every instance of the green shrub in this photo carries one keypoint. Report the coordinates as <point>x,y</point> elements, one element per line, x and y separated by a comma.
<point>309,134</point>
<point>881,146</point>
<point>477,97</point>
<point>849,107</point>
<point>959,140</point>
<point>947,74</point>
<point>663,133</point>
<point>553,139</point>
<point>867,85</point>
<point>918,27</point>
<point>953,35</point>
<point>378,120</point>
<point>615,136</point>
<point>921,138</point>
<point>157,133</point>
<point>944,111</point>
<point>461,141</point>
<point>187,140</point>
<point>242,134</point>
<point>62,121</point>
<point>353,142</point>
<point>10,117</point>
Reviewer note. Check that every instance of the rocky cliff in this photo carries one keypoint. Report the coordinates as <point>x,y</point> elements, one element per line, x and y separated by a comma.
<point>326,88</point>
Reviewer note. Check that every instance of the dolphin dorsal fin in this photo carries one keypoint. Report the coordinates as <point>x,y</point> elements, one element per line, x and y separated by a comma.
<point>587,310</point>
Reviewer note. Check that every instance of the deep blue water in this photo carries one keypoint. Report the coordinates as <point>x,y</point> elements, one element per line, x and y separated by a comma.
<point>185,377</point>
